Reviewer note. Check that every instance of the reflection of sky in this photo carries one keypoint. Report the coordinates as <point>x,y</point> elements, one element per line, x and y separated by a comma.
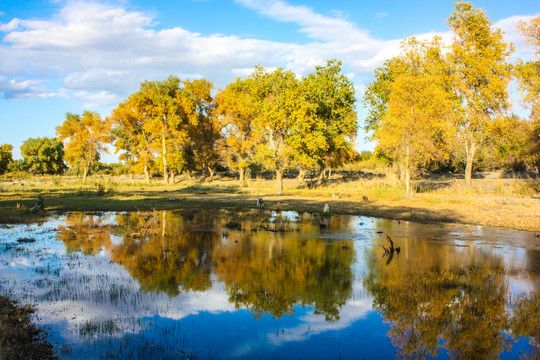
<point>72,291</point>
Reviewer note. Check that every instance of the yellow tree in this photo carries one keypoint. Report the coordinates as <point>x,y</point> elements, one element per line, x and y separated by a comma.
<point>84,137</point>
<point>130,134</point>
<point>203,129</point>
<point>416,123</point>
<point>235,112</point>
<point>160,104</point>
<point>528,74</point>
<point>281,112</point>
<point>478,55</point>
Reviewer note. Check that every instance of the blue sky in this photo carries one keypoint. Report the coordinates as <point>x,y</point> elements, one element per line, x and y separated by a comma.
<point>61,56</point>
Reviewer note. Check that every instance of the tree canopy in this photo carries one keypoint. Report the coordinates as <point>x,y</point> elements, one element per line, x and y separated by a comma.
<point>431,100</point>
<point>480,76</point>
<point>43,156</point>
<point>85,137</point>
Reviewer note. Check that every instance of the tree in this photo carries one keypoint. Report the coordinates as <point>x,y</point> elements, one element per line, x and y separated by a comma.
<point>203,129</point>
<point>414,122</point>
<point>528,74</point>
<point>333,108</point>
<point>160,103</point>
<point>377,95</point>
<point>85,137</point>
<point>43,155</point>
<point>533,142</point>
<point>130,134</point>
<point>480,73</point>
<point>235,112</point>
<point>281,113</point>
<point>6,157</point>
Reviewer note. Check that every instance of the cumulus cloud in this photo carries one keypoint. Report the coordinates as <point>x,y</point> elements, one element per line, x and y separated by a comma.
<point>511,35</point>
<point>23,89</point>
<point>100,53</point>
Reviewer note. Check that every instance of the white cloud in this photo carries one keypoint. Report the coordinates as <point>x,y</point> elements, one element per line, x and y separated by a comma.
<point>92,100</point>
<point>511,35</point>
<point>17,89</point>
<point>100,53</point>
<point>380,15</point>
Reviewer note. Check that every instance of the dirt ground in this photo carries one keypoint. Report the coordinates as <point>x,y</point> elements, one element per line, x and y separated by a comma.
<point>460,207</point>
<point>523,214</point>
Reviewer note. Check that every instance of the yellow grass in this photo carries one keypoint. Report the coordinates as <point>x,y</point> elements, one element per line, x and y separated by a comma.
<point>505,203</point>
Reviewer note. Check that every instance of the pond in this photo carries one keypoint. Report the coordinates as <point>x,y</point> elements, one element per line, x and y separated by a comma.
<point>274,285</point>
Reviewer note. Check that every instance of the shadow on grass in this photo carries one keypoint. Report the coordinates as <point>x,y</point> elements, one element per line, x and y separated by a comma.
<point>195,198</point>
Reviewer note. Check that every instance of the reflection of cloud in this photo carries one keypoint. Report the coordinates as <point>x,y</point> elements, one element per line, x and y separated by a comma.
<point>315,324</point>
<point>310,324</point>
<point>98,291</point>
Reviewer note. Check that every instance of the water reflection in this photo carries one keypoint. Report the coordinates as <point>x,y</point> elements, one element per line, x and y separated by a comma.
<point>457,300</point>
<point>267,265</point>
<point>131,285</point>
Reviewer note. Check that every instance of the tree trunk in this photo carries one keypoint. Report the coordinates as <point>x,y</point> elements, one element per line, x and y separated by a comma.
<point>408,191</point>
<point>301,176</point>
<point>470,150</point>
<point>211,171</point>
<point>165,167</point>
<point>146,173</point>
<point>279,181</point>
<point>321,177</point>
<point>241,174</point>
<point>85,172</point>
<point>329,173</point>
<point>394,174</point>
<point>172,176</point>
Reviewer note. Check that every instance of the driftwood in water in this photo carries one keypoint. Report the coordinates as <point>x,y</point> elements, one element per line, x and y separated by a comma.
<point>391,248</point>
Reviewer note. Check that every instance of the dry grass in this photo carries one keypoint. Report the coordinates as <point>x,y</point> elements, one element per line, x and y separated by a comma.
<point>19,337</point>
<point>504,203</point>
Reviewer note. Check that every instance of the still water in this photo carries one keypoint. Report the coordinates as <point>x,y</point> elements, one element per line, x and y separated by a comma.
<point>267,285</point>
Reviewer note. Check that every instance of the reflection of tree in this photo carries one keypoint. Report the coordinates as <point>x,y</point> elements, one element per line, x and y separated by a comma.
<point>271,272</point>
<point>445,304</point>
<point>526,322</point>
<point>170,255</point>
<point>269,266</point>
<point>85,232</point>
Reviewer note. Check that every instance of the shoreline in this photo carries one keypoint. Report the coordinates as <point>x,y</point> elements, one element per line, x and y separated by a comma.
<point>495,212</point>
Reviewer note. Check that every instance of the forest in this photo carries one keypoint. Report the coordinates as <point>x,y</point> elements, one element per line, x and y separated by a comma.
<point>435,108</point>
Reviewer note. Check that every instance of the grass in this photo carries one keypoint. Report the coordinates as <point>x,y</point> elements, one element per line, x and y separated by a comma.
<point>19,337</point>
<point>506,203</point>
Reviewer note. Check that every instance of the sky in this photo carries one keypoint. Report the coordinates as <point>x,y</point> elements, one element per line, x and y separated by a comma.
<point>60,56</point>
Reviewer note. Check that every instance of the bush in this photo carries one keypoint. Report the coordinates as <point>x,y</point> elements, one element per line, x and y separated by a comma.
<point>106,188</point>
